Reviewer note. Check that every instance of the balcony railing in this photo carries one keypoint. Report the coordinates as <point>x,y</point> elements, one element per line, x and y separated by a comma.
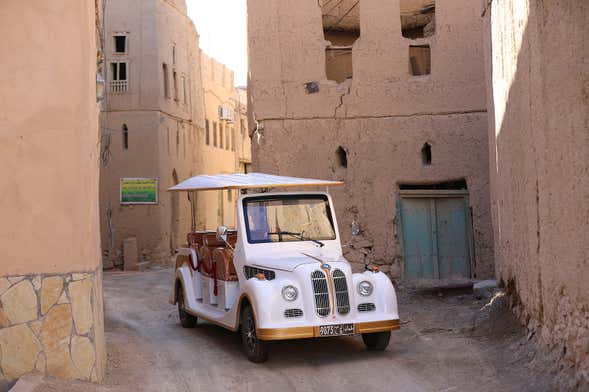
<point>119,86</point>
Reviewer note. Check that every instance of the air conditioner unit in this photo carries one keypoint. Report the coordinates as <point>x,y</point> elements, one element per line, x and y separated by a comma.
<point>226,114</point>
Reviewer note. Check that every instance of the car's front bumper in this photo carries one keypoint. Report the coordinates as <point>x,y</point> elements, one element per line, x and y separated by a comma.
<point>313,331</point>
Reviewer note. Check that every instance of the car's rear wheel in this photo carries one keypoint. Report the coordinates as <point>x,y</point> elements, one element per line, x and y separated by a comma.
<point>376,341</point>
<point>186,320</point>
<point>255,349</point>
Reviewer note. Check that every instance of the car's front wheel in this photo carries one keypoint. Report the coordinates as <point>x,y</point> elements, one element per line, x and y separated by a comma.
<point>186,320</point>
<point>255,349</point>
<point>376,341</point>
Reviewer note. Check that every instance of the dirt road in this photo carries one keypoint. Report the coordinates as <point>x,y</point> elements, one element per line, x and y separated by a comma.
<point>437,349</point>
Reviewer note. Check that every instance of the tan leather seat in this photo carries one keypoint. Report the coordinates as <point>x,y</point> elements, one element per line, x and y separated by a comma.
<point>214,249</point>
<point>223,258</point>
<point>210,243</point>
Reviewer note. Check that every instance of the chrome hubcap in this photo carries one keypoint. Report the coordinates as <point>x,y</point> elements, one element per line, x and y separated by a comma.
<point>250,334</point>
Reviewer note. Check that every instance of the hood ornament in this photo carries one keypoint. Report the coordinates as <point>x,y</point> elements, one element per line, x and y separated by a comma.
<point>326,266</point>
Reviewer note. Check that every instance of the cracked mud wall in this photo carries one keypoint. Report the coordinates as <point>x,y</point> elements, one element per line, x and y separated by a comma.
<point>51,313</point>
<point>382,116</point>
<point>538,89</point>
<point>382,153</point>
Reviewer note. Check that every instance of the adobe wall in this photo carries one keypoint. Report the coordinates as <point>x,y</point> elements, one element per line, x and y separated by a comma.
<point>153,152</point>
<point>382,117</point>
<point>163,129</point>
<point>51,313</point>
<point>539,119</point>
<point>219,90</point>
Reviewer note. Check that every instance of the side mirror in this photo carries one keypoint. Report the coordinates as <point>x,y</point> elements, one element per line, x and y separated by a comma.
<point>222,233</point>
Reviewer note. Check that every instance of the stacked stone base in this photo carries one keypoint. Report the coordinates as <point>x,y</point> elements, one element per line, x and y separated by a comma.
<point>52,324</point>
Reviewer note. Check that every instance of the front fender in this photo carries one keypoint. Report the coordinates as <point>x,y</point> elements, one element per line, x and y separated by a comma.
<point>264,296</point>
<point>383,295</point>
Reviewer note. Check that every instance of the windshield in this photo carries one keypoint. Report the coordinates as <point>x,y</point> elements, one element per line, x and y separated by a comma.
<point>288,218</point>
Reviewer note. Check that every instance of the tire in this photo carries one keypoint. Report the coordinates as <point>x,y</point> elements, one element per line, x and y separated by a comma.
<point>255,349</point>
<point>376,341</point>
<point>186,320</point>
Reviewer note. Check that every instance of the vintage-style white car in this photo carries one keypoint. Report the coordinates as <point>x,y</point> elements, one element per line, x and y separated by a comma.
<point>281,274</point>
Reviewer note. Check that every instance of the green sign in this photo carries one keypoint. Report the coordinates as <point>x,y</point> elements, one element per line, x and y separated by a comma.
<point>139,190</point>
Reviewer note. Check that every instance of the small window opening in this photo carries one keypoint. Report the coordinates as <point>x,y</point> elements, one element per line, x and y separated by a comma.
<point>166,80</point>
<point>232,138</point>
<point>342,157</point>
<point>177,142</point>
<point>419,60</point>
<point>426,154</point>
<point>221,130</point>
<point>418,18</point>
<point>184,91</point>
<point>214,134</point>
<point>341,27</point>
<point>118,71</point>
<point>175,81</point>
<point>125,137</point>
<point>120,44</point>
<point>174,54</point>
<point>114,71</point>
<point>207,133</point>
<point>227,134</point>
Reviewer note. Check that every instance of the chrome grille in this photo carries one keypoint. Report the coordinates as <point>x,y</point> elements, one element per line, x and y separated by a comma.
<point>367,307</point>
<point>292,313</point>
<point>341,292</point>
<point>321,293</point>
<point>251,272</point>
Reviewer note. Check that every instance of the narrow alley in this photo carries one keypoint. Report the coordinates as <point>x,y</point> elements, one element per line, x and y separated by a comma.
<point>437,349</point>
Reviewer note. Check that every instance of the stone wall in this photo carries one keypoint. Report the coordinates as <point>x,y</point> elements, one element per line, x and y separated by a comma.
<point>52,324</point>
<point>538,95</point>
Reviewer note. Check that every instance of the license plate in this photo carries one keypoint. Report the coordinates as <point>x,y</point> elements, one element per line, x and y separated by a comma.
<point>336,330</point>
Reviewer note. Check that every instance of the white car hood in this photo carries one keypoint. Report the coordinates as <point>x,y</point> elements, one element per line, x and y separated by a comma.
<point>289,263</point>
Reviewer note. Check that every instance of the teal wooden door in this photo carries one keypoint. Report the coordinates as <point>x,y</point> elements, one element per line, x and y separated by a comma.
<point>436,237</point>
<point>418,239</point>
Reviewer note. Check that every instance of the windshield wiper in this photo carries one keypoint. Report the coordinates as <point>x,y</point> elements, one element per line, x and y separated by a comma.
<point>299,236</point>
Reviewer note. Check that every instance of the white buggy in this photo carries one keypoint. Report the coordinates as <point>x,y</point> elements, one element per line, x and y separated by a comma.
<point>281,274</point>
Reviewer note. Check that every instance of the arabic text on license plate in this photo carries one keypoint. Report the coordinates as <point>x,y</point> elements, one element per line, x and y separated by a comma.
<point>336,330</point>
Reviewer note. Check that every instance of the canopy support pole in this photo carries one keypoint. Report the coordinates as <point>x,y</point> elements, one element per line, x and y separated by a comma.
<point>192,197</point>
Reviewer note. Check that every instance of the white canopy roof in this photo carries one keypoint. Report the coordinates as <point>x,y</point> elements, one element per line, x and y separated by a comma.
<point>243,181</point>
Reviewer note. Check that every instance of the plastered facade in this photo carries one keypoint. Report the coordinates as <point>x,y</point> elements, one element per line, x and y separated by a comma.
<point>162,110</point>
<point>51,313</point>
<point>171,89</point>
<point>538,94</point>
<point>227,149</point>
<point>381,117</point>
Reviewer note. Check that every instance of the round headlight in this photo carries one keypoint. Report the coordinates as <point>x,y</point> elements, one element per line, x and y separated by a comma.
<point>290,293</point>
<point>365,288</point>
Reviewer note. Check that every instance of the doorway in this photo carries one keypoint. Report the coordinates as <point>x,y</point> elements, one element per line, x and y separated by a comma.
<point>436,234</point>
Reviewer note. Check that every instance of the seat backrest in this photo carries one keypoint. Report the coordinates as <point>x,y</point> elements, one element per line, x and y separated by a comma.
<point>225,268</point>
<point>211,241</point>
<point>196,238</point>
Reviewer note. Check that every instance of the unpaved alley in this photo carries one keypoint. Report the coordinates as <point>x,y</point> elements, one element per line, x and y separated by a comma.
<point>437,349</point>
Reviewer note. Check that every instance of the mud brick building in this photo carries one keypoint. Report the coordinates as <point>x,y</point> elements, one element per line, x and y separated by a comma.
<point>388,96</point>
